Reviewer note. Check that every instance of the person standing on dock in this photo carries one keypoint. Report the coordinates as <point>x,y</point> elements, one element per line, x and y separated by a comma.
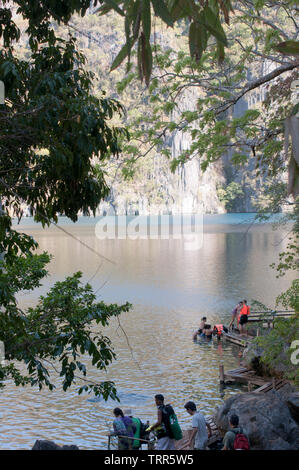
<point>235,313</point>
<point>199,436</point>
<point>243,317</point>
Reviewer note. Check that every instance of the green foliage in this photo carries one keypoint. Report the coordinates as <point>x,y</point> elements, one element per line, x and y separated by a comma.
<point>60,331</point>
<point>230,194</point>
<point>288,47</point>
<point>204,18</point>
<point>61,125</point>
<point>52,126</point>
<point>277,347</point>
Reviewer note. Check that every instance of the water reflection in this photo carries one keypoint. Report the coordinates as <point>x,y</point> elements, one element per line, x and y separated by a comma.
<point>170,289</point>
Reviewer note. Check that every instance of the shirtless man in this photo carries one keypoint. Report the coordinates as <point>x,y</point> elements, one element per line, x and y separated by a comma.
<point>200,329</point>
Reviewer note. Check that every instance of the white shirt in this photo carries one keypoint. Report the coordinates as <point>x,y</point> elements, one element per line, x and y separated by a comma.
<point>201,437</point>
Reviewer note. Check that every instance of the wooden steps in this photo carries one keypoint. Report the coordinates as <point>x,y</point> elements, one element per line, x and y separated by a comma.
<point>273,385</point>
<point>216,436</point>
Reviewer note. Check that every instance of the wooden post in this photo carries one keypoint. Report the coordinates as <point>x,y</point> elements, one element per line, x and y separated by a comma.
<point>249,386</point>
<point>273,383</point>
<point>221,374</point>
<point>258,332</point>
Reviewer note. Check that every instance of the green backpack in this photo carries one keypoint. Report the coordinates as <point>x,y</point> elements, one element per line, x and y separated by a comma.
<point>174,424</point>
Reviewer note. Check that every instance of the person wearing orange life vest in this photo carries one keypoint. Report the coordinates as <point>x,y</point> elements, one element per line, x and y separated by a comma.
<point>218,330</point>
<point>243,317</point>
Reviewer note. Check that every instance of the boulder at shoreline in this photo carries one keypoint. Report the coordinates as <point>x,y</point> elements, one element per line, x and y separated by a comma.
<point>269,419</point>
<point>50,445</point>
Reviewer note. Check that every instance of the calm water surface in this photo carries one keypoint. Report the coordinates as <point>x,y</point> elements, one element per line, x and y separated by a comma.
<point>171,289</point>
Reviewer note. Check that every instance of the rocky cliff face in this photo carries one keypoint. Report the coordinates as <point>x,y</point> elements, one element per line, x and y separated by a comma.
<point>188,190</point>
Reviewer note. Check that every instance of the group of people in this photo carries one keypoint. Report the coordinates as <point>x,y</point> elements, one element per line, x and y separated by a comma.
<point>239,313</point>
<point>205,330</point>
<point>132,432</point>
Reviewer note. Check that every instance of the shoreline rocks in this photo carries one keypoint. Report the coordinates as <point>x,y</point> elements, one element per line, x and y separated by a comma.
<point>270,419</point>
<point>50,445</point>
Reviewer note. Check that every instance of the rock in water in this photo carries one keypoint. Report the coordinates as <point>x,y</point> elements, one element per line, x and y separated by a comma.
<point>267,418</point>
<point>50,445</point>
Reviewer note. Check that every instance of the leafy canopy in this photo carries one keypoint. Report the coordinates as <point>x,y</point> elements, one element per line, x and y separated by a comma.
<point>52,128</point>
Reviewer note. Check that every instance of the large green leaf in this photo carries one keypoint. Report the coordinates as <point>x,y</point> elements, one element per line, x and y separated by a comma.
<point>103,10</point>
<point>197,40</point>
<point>220,52</point>
<point>288,47</point>
<point>213,24</point>
<point>146,18</point>
<point>111,5</point>
<point>146,58</point>
<point>181,9</point>
<point>123,53</point>
<point>162,11</point>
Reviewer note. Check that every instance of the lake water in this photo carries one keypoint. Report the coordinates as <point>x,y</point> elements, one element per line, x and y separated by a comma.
<point>171,288</point>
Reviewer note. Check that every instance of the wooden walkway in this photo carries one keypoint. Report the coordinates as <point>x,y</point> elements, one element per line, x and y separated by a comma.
<point>275,384</point>
<point>216,436</point>
<point>255,316</point>
<point>237,339</point>
<point>247,376</point>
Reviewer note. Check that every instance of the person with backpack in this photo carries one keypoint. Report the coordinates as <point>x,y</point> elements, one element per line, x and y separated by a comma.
<point>139,430</point>
<point>235,438</point>
<point>166,428</point>
<point>123,426</point>
<point>199,436</point>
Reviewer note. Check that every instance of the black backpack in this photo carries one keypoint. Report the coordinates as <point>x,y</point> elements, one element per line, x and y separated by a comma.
<point>143,433</point>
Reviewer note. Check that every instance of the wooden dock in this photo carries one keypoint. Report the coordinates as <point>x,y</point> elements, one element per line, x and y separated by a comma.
<point>248,376</point>
<point>237,339</point>
<point>275,384</point>
<point>268,318</point>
